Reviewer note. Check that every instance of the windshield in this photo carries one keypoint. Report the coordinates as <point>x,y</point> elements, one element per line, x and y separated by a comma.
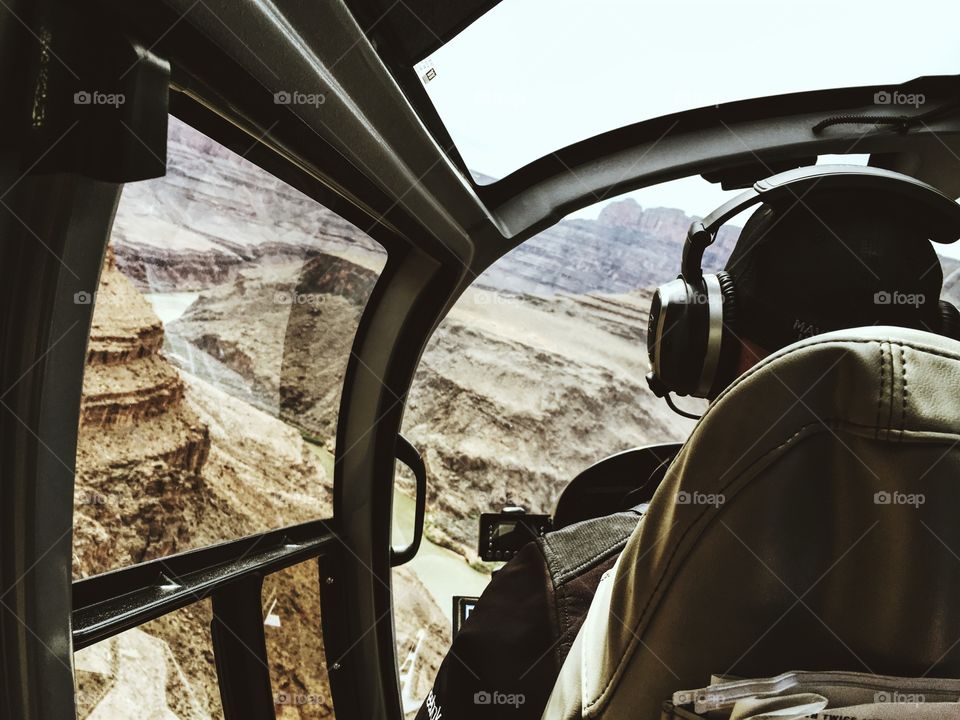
<point>533,76</point>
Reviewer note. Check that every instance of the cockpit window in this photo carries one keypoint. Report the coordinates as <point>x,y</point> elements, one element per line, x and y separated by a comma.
<point>532,76</point>
<point>535,374</point>
<point>222,326</point>
<point>538,372</point>
<point>161,669</point>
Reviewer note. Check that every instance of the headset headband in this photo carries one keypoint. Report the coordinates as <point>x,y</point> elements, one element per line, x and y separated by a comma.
<point>796,182</point>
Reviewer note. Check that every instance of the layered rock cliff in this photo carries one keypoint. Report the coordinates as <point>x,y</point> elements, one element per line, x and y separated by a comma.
<point>214,214</point>
<point>291,359</point>
<point>141,448</point>
<point>626,248</point>
<point>169,461</point>
<point>515,395</point>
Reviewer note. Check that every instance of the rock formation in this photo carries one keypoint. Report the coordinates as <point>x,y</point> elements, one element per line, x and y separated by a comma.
<point>279,336</point>
<point>141,448</point>
<point>626,248</point>
<point>214,214</point>
<point>168,461</point>
<point>517,394</point>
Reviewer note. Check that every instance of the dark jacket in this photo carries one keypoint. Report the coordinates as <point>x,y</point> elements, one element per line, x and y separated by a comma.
<point>506,657</point>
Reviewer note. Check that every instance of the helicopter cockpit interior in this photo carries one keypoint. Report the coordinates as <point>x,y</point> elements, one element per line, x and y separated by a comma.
<point>388,359</point>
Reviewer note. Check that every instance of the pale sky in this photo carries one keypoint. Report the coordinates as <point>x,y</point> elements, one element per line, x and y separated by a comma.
<point>532,76</point>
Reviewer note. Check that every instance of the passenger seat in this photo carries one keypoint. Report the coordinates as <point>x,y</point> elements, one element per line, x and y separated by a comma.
<point>811,522</point>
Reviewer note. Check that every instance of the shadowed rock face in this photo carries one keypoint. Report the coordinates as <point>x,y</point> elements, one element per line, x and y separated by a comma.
<point>334,276</point>
<point>167,462</point>
<point>183,440</point>
<point>141,448</point>
<point>319,339</point>
<point>291,358</point>
<point>511,401</point>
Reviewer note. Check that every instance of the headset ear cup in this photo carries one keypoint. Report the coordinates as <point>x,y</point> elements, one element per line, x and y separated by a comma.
<point>730,342</point>
<point>949,320</point>
<point>670,332</point>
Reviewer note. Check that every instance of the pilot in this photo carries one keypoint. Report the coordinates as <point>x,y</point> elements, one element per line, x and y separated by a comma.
<point>830,262</point>
<point>810,266</point>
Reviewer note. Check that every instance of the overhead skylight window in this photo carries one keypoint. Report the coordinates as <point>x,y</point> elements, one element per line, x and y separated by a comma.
<point>533,76</point>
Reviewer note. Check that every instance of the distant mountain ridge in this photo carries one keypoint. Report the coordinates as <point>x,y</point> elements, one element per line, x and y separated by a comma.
<point>215,214</point>
<point>627,248</point>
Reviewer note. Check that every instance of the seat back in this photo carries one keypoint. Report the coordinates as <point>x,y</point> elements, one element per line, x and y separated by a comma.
<point>811,521</point>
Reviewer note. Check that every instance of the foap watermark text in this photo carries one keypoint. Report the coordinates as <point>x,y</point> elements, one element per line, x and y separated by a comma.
<point>495,697</point>
<point>895,696</point>
<point>299,298</point>
<point>895,497</point>
<point>295,97</point>
<point>895,297</point>
<point>95,97</point>
<point>896,97</point>
<point>685,497</point>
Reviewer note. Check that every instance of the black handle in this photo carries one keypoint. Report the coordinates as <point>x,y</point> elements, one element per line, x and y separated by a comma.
<point>409,456</point>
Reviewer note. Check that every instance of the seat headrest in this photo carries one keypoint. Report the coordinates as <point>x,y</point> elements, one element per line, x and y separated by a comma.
<point>810,522</point>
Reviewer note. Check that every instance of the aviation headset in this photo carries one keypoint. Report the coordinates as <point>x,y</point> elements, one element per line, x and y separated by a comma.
<point>691,338</point>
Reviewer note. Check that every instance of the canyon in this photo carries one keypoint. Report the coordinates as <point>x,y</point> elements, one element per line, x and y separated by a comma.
<point>224,319</point>
<point>167,462</point>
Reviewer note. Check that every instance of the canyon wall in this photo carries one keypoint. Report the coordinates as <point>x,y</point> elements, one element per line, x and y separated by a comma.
<point>167,462</point>
<point>141,448</point>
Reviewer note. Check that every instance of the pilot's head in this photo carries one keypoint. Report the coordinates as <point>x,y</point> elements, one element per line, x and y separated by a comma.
<point>829,248</point>
<point>829,262</point>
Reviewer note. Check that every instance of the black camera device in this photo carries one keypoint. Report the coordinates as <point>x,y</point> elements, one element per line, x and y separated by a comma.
<point>502,534</point>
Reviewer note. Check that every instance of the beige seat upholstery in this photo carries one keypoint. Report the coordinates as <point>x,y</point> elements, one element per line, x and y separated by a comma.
<point>811,521</point>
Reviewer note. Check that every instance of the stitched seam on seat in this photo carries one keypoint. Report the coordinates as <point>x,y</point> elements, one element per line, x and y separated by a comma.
<point>819,427</point>
<point>556,608</point>
<point>876,433</point>
<point>893,390</point>
<point>566,624</point>
<point>903,391</point>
